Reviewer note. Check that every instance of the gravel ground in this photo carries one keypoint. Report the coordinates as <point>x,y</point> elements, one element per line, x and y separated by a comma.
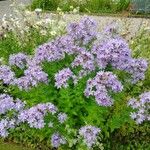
<point>5,6</point>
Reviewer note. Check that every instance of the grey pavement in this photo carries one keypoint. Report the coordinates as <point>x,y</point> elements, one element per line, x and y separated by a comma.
<point>5,6</point>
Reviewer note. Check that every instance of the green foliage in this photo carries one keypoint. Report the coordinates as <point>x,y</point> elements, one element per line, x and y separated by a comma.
<point>12,44</point>
<point>45,4</point>
<point>92,6</point>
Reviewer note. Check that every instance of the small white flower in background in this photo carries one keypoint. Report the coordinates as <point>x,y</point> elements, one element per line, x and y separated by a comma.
<point>60,12</point>
<point>4,18</point>
<point>48,21</point>
<point>28,13</point>
<point>75,10</point>
<point>133,115</point>
<point>50,125</point>
<point>38,10</point>
<point>53,33</point>
<point>43,32</point>
<point>59,9</point>
<point>1,60</point>
<point>39,23</point>
<point>71,7</point>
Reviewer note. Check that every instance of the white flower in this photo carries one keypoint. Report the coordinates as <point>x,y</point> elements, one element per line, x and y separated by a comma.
<point>50,125</point>
<point>133,115</point>
<point>71,7</point>
<point>38,10</point>
<point>53,33</point>
<point>43,32</point>
<point>76,10</point>
<point>58,9</point>
<point>27,12</point>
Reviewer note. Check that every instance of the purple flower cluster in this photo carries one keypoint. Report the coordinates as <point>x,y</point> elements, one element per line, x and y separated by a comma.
<point>65,44</point>
<point>62,117</point>
<point>7,103</point>
<point>62,77</point>
<point>5,125</point>
<point>99,85</point>
<point>32,76</point>
<point>116,52</point>
<point>137,68</point>
<point>49,52</point>
<point>84,59</point>
<point>35,115</point>
<point>6,75</point>
<point>19,60</point>
<point>111,51</point>
<point>57,140</point>
<point>89,133</point>
<point>141,107</point>
<point>84,31</point>
<point>56,49</point>
<point>36,74</point>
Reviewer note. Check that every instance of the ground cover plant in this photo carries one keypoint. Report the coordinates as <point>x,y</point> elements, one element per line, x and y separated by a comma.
<point>76,92</point>
<point>92,6</point>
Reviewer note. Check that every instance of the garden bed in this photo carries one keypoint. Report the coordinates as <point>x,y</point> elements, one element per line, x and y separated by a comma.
<point>74,86</point>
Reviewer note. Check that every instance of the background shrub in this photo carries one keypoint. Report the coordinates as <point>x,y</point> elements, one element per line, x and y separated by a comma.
<point>92,6</point>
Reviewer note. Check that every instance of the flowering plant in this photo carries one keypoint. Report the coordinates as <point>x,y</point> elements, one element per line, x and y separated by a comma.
<point>79,73</point>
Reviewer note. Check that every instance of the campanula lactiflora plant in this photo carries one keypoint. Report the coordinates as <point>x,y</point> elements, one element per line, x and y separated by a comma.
<point>70,87</point>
